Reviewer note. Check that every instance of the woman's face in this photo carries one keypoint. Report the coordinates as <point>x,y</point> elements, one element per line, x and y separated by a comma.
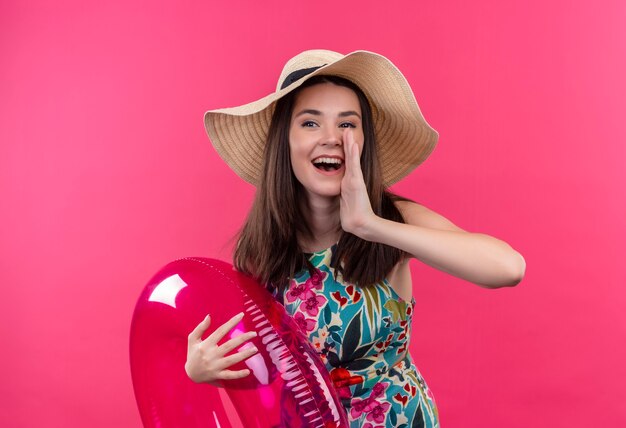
<point>321,116</point>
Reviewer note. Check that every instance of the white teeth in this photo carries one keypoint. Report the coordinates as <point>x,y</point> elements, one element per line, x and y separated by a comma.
<point>328,160</point>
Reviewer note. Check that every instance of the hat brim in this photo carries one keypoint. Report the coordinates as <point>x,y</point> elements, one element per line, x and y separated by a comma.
<point>404,137</point>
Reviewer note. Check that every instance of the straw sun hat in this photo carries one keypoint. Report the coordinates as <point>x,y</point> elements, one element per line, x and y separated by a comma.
<point>404,138</point>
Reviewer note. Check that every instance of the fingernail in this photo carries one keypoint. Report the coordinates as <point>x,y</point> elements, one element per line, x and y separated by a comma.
<point>254,349</point>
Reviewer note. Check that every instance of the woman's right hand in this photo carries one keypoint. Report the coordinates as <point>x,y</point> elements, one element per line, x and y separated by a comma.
<point>207,361</point>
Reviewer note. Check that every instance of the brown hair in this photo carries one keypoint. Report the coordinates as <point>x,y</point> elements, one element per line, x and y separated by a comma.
<point>268,248</point>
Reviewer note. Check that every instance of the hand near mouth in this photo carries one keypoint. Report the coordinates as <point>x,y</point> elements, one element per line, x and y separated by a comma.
<point>355,207</point>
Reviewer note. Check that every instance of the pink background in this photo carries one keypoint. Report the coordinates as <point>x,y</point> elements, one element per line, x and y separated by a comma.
<point>106,175</point>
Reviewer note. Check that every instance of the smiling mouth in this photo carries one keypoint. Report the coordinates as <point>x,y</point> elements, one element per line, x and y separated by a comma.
<point>327,164</point>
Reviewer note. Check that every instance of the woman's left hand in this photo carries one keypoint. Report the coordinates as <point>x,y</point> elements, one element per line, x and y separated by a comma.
<point>355,208</point>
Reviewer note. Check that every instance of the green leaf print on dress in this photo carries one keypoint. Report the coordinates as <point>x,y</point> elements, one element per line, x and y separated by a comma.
<point>362,335</point>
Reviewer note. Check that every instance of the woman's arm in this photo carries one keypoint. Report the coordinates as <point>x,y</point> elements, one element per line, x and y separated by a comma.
<point>428,236</point>
<point>433,239</point>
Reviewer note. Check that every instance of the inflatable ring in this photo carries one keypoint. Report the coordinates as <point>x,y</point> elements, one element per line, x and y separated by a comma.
<point>288,385</point>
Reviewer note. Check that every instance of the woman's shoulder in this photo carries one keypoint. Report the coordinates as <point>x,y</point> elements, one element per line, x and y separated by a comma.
<point>419,215</point>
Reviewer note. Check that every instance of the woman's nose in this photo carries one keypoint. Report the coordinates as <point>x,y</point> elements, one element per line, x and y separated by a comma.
<point>333,137</point>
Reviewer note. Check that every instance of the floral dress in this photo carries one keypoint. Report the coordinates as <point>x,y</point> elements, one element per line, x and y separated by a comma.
<point>362,335</point>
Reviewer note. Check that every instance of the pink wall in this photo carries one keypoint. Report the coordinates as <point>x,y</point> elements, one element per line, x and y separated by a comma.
<point>106,175</point>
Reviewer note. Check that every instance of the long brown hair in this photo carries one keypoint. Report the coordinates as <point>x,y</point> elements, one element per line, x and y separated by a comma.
<point>268,248</point>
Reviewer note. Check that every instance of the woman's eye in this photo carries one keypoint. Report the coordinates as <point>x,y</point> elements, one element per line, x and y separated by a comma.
<point>347,125</point>
<point>308,124</point>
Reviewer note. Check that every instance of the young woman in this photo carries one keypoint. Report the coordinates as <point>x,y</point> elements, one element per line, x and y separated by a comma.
<point>330,241</point>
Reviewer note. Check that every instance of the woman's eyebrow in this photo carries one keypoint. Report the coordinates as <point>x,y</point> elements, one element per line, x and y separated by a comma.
<point>319,113</point>
<point>349,113</point>
<point>309,111</point>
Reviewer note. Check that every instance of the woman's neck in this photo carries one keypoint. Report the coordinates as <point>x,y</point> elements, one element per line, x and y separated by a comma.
<point>322,218</point>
